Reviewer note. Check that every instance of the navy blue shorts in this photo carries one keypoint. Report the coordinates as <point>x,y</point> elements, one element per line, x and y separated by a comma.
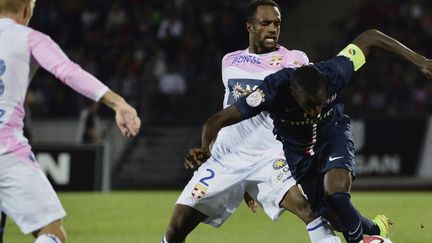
<point>336,152</point>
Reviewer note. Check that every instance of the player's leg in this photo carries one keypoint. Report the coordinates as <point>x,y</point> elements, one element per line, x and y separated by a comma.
<point>29,199</point>
<point>214,192</point>
<point>52,233</point>
<point>270,183</point>
<point>339,199</point>
<point>337,186</point>
<point>297,204</point>
<point>339,167</point>
<point>183,220</point>
<point>319,230</point>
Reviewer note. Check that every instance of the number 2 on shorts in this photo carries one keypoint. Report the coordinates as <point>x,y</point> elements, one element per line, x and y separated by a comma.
<point>204,179</point>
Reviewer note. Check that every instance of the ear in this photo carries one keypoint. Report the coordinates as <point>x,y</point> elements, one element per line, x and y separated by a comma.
<point>249,27</point>
<point>27,12</point>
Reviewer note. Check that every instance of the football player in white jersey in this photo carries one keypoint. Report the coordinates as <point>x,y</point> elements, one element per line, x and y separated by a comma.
<point>246,159</point>
<point>26,196</point>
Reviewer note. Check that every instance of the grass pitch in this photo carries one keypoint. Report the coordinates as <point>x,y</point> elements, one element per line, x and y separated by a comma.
<point>143,217</point>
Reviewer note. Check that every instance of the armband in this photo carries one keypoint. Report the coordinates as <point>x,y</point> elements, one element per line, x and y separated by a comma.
<point>355,54</point>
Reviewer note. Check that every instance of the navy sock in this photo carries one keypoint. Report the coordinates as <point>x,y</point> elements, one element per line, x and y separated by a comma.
<point>340,203</point>
<point>369,227</point>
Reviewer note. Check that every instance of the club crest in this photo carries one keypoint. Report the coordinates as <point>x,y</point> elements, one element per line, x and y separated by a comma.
<point>255,98</point>
<point>199,191</point>
<point>276,60</point>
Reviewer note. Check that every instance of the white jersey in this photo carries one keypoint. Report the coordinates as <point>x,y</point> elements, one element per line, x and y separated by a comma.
<point>246,157</point>
<point>245,70</point>
<point>22,51</point>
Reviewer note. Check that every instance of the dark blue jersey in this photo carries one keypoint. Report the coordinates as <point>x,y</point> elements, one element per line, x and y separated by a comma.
<point>298,131</point>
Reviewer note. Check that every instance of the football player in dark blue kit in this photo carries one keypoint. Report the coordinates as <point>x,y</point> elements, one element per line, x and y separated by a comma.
<point>309,120</point>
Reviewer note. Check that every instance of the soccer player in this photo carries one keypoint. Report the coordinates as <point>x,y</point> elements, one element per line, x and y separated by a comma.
<point>316,134</point>
<point>26,196</point>
<point>247,158</point>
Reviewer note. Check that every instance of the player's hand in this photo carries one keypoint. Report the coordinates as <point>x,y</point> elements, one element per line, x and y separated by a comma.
<point>426,67</point>
<point>243,92</point>
<point>126,116</point>
<point>250,202</point>
<point>127,120</point>
<point>196,157</point>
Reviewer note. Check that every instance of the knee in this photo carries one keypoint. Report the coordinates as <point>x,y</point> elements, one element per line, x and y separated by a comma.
<point>55,228</point>
<point>183,220</point>
<point>296,203</point>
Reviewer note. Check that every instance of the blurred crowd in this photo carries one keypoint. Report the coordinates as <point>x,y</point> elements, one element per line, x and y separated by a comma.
<point>164,56</point>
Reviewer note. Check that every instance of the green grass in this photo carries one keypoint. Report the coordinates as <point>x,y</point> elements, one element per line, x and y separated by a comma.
<point>143,217</point>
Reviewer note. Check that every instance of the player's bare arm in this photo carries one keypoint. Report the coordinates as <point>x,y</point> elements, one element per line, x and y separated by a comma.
<point>213,125</point>
<point>195,158</point>
<point>216,122</point>
<point>126,116</point>
<point>374,39</point>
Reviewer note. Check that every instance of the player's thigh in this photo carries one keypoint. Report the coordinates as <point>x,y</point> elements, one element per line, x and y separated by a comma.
<point>26,195</point>
<point>269,181</point>
<point>339,159</point>
<point>336,154</point>
<point>339,149</point>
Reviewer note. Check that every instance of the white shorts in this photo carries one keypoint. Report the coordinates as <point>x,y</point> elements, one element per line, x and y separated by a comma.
<point>26,196</point>
<point>218,186</point>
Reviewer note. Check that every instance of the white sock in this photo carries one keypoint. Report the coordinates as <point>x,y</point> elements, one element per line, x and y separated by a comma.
<point>47,238</point>
<point>320,229</point>
<point>164,240</point>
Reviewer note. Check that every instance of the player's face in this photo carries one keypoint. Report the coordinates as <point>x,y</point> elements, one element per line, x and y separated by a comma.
<point>311,109</point>
<point>265,29</point>
<point>310,104</point>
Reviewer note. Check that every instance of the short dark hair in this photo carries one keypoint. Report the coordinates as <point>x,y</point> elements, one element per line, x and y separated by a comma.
<point>308,81</point>
<point>252,7</point>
